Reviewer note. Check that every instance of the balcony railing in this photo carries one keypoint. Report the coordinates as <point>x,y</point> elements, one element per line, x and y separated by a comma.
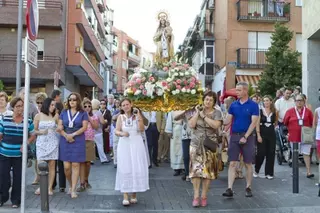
<point>206,30</point>
<point>251,58</point>
<point>133,56</point>
<point>262,11</point>
<point>46,59</point>
<point>42,4</point>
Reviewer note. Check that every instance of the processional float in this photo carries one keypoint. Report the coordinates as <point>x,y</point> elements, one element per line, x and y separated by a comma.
<point>170,84</point>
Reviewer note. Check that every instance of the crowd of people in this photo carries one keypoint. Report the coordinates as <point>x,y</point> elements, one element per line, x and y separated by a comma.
<point>198,142</point>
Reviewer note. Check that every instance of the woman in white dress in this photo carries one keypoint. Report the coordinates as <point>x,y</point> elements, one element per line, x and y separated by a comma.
<point>132,166</point>
<point>47,144</point>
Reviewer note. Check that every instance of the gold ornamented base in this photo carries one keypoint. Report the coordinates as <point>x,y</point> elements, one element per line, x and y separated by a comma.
<point>169,103</point>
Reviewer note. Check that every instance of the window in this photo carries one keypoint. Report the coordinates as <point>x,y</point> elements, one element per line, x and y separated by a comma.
<point>81,43</point>
<point>299,42</point>
<point>115,41</point>
<point>115,63</point>
<point>40,44</point>
<point>124,64</point>
<point>259,40</point>
<point>124,47</point>
<point>299,3</point>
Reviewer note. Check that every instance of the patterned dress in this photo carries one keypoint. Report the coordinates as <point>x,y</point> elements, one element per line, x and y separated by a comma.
<point>204,163</point>
<point>47,146</point>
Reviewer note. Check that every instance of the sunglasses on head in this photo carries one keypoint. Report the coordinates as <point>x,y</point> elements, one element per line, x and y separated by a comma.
<point>72,99</point>
<point>87,106</point>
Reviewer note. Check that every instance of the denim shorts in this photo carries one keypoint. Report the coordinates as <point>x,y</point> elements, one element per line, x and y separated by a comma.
<point>247,150</point>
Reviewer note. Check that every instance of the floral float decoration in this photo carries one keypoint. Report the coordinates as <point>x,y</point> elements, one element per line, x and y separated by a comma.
<point>171,86</point>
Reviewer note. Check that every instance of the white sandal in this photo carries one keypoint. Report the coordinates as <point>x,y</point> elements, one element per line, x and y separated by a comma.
<point>134,200</point>
<point>37,192</point>
<point>126,203</point>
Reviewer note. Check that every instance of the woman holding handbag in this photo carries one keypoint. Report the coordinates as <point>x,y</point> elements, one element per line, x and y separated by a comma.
<point>204,147</point>
<point>296,119</point>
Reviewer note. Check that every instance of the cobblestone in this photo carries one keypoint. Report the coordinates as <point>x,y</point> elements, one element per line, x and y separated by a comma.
<point>170,194</point>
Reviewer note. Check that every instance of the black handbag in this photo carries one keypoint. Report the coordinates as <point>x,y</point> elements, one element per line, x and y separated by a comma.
<point>208,143</point>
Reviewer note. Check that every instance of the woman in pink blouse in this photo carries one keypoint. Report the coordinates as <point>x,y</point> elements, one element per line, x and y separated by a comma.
<point>90,146</point>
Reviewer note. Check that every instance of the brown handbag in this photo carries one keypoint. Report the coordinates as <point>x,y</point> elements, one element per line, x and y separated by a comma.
<point>208,143</point>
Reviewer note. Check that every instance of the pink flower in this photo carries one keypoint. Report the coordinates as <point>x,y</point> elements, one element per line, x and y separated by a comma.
<point>187,87</point>
<point>186,66</point>
<point>144,92</point>
<point>173,64</point>
<point>193,79</point>
<point>164,83</point>
<point>151,79</point>
<point>165,69</point>
<point>141,86</point>
<point>178,81</point>
<point>192,85</point>
<point>178,87</point>
<point>134,78</point>
<point>138,81</point>
<point>185,82</point>
<point>134,89</point>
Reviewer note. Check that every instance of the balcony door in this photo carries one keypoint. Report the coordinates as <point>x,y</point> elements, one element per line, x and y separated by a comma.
<point>258,43</point>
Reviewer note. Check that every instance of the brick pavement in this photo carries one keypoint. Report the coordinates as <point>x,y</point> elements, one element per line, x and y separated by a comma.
<point>170,194</point>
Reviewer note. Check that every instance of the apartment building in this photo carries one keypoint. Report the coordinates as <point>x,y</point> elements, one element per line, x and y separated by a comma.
<point>311,51</point>
<point>241,34</point>
<point>89,46</point>
<point>74,46</point>
<point>146,59</point>
<point>50,42</point>
<point>126,56</point>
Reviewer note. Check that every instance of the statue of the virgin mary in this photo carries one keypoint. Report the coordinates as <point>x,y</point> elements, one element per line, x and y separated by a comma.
<point>164,39</point>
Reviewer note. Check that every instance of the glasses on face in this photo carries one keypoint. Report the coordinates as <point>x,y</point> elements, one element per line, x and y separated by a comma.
<point>299,100</point>
<point>18,106</point>
<point>102,103</point>
<point>87,107</point>
<point>39,102</point>
<point>72,99</point>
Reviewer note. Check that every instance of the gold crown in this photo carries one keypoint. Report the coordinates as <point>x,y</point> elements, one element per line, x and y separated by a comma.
<point>163,15</point>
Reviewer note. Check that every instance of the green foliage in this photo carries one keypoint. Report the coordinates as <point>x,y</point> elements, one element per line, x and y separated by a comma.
<point>283,67</point>
<point>251,90</point>
<point>1,86</point>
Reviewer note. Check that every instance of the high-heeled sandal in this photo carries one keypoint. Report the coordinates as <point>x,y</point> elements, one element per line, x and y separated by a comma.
<point>125,203</point>
<point>133,200</point>
<point>37,192</point>
<point>195,202</point>
<point>204,202</point>
<point>69,191</point>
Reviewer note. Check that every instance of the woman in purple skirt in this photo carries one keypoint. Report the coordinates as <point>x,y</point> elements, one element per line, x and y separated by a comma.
<point>72,125</point>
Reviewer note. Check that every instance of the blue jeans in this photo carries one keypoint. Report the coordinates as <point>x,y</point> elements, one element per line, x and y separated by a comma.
<point>186,154</point>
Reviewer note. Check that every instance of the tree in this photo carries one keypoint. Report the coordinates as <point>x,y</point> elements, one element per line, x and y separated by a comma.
<point>1,86</point>
<point>283,67</point>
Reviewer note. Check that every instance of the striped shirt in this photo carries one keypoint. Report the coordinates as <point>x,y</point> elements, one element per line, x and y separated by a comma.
<point>12,136</point>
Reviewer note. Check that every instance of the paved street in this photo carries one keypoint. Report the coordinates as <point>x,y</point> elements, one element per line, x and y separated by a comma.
<point>170,194</point>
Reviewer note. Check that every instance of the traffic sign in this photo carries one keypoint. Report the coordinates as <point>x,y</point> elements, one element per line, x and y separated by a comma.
<point>32,19</point>
<point>32,53</point>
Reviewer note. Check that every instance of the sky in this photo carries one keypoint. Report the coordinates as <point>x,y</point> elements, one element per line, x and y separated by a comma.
<point>138,18</point>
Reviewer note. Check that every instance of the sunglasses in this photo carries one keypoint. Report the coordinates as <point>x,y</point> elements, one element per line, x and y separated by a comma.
<point>72,99</point>
<point>103,104</point>
<point>87,106</point>
<point>299,100</point>
<point>38,102</point>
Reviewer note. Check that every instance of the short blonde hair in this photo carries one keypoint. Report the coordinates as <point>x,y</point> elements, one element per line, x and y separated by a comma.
<point>41,96</point>
<point>4,94</point>
<point>95,104</point>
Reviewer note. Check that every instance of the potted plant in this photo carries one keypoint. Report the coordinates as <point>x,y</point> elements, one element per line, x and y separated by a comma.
<point>258,14</point>
<point>255,13</point>
<point>286,10</point>
<point>271,14</point>
<point>249,14</point>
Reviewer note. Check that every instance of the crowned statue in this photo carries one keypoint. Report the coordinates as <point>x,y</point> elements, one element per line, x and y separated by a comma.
<point>164,39</point>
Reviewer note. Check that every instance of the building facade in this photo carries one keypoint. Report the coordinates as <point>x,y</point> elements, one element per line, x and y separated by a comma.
<point>146,59</point>
<point>241,34</point>
<point>74,46</point>
<point>50,42</point>
<point>89,46</point>
<point>126,56</point>
<point>311,51</point>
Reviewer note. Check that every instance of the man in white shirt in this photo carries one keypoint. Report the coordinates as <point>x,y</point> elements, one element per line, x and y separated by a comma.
<point>283,104</point>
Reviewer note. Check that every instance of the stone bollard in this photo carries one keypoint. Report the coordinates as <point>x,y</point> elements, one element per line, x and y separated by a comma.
<point>43,168</point>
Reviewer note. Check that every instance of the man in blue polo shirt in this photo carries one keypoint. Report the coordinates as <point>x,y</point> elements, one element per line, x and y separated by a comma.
<point>244,115</point>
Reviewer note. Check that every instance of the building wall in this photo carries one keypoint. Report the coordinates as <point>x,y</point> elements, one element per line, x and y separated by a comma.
<point>231,34</point>
<point>310,18</point>
<point>120,56</point>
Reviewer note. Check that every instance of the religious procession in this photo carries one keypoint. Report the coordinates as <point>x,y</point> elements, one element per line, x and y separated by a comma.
<point>167,126</point>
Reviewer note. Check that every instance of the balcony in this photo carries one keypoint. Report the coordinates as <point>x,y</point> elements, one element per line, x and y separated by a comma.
<point>134,60</point>
<point>50,14</point>
<point>84,68</point>
<point>91,38</point>
<point>44,72</point>
<point>100,5</point>
<point>262,11</point>
<point>251,58</point>
<point>206,31</point>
